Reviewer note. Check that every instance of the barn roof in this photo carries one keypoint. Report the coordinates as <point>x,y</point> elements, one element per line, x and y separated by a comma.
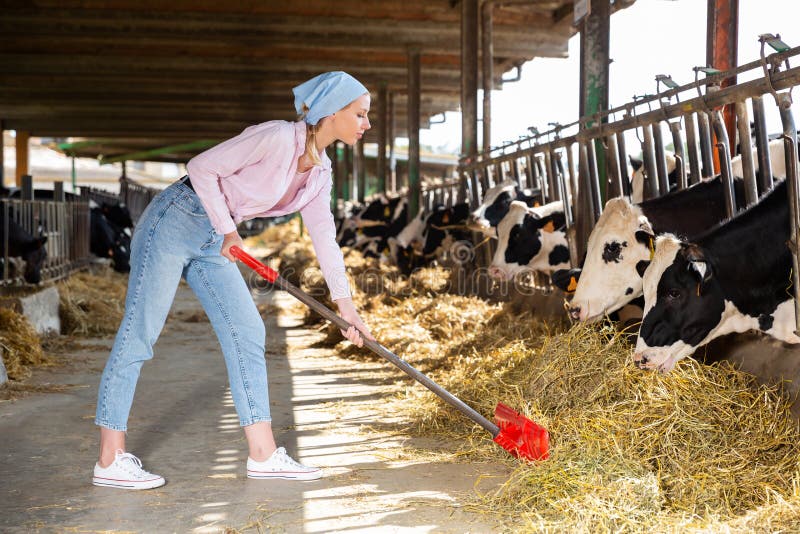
<point>139,74</point>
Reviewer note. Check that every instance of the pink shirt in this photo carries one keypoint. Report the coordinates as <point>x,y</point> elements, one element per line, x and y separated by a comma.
<point>250,175</point>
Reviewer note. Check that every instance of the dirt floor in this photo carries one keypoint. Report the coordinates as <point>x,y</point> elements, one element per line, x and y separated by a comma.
<point>327,411</point>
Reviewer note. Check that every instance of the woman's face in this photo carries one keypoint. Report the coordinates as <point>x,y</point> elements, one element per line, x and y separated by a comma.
<point>350,123</point>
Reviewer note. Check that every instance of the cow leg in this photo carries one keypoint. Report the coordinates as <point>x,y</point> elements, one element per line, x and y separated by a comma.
<point>227,301</point>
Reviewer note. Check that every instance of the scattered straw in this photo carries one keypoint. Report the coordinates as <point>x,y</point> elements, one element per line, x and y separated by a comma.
<point>704,448</point>
<point>92,304</point>
<point>21,346</point>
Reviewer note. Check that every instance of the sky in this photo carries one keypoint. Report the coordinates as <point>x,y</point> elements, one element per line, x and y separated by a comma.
<point>651,37</point>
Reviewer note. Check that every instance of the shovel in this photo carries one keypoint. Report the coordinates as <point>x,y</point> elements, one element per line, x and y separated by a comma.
<point>514,432</point>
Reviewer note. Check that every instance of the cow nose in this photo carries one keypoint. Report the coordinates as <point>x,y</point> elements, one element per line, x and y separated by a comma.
<point>640,360</point>
<point>575,313</point>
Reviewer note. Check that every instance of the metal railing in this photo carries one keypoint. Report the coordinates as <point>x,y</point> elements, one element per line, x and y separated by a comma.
<point>66,226</point>
<point>693,123</point>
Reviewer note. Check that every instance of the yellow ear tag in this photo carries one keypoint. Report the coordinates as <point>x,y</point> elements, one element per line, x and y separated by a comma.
<point>573,285</point>
<point>445,218</point>
<point>652,247</point>
<point>386,212</point>
<point>359,232</point>
<point>536,204</point>
<point>549,227</point>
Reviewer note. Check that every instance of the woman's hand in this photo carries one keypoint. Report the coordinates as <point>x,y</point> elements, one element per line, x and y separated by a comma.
<point>348,312</point>
<point>231,239</point>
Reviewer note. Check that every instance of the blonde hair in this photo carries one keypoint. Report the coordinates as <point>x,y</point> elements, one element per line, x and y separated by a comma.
<point>311,139</point>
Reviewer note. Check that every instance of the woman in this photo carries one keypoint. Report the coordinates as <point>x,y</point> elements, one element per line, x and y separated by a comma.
<point>268,170</point>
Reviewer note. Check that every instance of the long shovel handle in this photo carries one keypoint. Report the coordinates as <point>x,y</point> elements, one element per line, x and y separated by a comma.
<point>272,276</point>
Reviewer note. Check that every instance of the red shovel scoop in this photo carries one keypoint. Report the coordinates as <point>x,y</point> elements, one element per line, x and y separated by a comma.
<point>514,432</point>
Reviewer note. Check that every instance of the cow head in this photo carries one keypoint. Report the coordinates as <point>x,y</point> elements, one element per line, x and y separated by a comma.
<point>445,226</point>
<point>684,305</point>
<point>118,214</point>
<point>495,205</point>
<point>530,239</point>
<point>619,247</point>
<point>34,254</point>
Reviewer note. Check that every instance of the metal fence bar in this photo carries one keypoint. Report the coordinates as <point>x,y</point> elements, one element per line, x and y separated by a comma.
<point>680,153</point>
<point>746,152</point>
<point>762,145</point>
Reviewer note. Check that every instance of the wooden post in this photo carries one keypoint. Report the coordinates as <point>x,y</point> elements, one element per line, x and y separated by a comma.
<point>383,131</point>
<point>469,77</point>
<point>23,152</point>
<point>722,21</point>
<point>414,186</point>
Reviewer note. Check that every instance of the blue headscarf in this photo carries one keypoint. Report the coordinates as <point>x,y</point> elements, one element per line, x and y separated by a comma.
<point>326,94</point>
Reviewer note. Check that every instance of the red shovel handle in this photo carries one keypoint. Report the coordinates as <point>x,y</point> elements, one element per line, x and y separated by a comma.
<point>515,433</point>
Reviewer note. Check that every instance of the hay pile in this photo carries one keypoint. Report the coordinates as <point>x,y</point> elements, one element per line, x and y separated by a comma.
<point>21,346</point>
<point>92,304</point>
<point>630,451</point>
<point>702,448</point>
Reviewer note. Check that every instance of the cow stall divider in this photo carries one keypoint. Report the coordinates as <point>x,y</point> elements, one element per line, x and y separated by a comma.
<point>692,116</point>
<point>65,224</point>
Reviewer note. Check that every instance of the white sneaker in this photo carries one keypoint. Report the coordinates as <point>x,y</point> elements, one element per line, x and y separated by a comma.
<point>281,465</point>
<point>126,472</point>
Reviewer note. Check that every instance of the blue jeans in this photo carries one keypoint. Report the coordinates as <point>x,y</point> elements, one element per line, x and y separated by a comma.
<point>174,238</point>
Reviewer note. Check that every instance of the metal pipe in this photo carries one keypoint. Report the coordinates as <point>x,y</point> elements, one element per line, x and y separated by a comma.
<point>762,146</point>
<point>691,148</point>
<point>594,182</point>
<point>723,146</point>
<point>746,152</point>
<point>790,154</point>
<point>552,181</point>
<point>562,187</point>
<point>650,185</point>
<point>680,154</point>
<point>612,156</point>
<point>622,152</point>
<point>573,172</point>
<point>515,171</point>
<point>706,156</point>
<point>780,80</point>
<point>661,160</point>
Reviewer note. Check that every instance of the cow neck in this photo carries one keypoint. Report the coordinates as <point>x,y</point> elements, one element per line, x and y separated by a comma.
<point>698,208</point>
<point>749,254</point>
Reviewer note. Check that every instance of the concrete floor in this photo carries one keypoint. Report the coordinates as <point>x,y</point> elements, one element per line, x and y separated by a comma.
<point>327,411</point>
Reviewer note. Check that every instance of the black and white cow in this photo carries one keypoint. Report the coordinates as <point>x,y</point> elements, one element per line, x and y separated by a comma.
<point>734,278</point>
<point>21,244</point>
<point>370,228</point>
<point>622,239</point>
<point>495,205</point>
<point>531,239</point>
<point>443,230</point>
<point>107,240</point>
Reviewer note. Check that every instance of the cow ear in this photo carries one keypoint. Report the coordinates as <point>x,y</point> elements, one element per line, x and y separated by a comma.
<point>548,225</point>
<point>696,263</point>
<point>641,267</point>
<point>42,240</point>
<point>636,163</point>
<point>700,270</point>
